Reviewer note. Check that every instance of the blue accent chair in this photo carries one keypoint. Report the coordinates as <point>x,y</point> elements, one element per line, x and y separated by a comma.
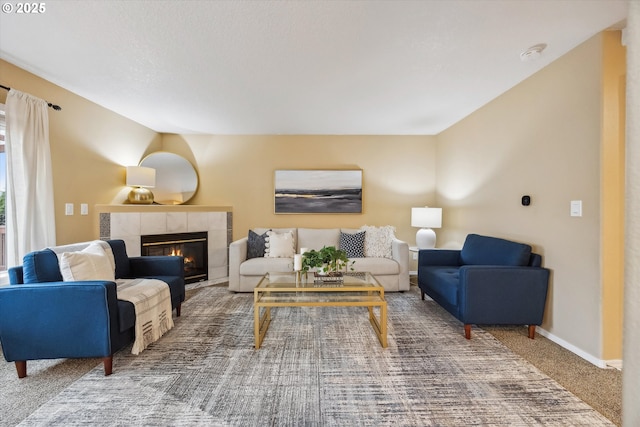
<point>43,317</point>
<point>490,281</point>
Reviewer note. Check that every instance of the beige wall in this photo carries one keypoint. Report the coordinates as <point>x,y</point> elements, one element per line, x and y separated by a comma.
<point>398,173</point>
<point>90,146</point>
<point>542,138</point>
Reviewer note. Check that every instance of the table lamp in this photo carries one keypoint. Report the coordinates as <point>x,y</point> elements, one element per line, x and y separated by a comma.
<point>141,178</point>
<point>426,218</point>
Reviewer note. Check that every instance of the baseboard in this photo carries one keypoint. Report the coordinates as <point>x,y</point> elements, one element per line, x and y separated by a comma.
<point>615,364</point>
<point>600,363</point>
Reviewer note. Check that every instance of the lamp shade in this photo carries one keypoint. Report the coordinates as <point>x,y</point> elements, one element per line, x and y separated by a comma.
<point>426,217</point>
<point>140,176</point>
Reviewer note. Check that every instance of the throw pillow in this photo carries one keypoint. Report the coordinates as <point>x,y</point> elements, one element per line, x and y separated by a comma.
<point>279,245</point>
<point>95,247</point>
<point>378,240</point>
<point>91,263</point>
<point>353,244</point>
<point>255,244</point>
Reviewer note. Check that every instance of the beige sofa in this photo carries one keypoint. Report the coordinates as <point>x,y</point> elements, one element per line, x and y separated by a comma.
<point>244,274</point>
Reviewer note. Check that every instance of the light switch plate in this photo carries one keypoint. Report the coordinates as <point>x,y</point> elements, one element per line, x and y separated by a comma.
<point>576,208</point>
<point>68,208</point>
<point>84,209</point>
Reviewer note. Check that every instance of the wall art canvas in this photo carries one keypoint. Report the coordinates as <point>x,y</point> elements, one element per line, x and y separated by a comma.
<point>318,191</point>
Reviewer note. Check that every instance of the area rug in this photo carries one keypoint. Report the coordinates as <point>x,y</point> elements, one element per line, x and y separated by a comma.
<point>317,367</point>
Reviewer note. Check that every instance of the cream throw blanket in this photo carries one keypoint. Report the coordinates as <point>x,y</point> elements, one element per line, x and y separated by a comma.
<point>152,301</point>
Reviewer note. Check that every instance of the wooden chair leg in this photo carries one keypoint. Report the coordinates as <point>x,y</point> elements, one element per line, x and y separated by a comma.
<point>108,365</point>
<point>467,331</point>
<point>178,307</point>
<point>21,367</point>
<point>532,331</point>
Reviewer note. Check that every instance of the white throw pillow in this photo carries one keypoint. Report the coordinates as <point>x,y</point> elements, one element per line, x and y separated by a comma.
<point>92,263</point>
<point>378,241</point>
<point>106,249</point>
<point>100,247</point>
<point>279,245</point>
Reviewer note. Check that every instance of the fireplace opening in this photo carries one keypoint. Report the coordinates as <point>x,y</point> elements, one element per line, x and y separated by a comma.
<point>191,246</point>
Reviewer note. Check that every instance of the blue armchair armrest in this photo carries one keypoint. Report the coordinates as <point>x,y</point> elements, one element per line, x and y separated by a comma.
<point>59,320</point>
<point>16,274</point>
<point>440,257</point>
<point>502,294</point>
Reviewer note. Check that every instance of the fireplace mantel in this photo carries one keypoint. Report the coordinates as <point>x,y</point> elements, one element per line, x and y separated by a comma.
<point>129,222</point>
<point>161,208</point>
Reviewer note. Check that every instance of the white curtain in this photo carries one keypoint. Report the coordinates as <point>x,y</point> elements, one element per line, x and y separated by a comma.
<point>29,203</point>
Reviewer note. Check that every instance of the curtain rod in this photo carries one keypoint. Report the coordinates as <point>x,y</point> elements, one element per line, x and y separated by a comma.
<point>55,107</point>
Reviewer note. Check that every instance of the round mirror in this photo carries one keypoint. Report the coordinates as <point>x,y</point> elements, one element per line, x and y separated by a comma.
<point>176,179</point>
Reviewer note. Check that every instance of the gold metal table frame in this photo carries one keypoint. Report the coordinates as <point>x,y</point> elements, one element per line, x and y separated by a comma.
<point>296,290</point>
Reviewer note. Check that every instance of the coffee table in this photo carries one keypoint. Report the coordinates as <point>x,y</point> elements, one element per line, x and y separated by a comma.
<point>300,290</point>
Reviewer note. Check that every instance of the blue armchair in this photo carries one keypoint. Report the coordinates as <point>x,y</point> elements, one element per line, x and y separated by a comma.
<point>43,317</point>
<point>489,281</point>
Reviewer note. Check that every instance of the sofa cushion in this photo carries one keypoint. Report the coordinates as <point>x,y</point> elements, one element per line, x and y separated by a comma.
<point>443,281</point>
<point>91,263</point>
<point>41,266</point>
<point>378,241</point>
<point>262,266</point>
<point>376,266</point>
<point>255,244</point>
<point>317,238</point>
<point>352,244</point>
<point>484,250</point>
<point>279,245</point>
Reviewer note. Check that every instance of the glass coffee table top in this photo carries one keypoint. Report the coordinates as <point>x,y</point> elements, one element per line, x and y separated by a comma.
<point>301,282</point>
<point>297,290</point>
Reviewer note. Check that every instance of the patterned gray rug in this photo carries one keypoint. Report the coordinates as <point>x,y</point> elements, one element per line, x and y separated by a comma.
<point>317,366</point>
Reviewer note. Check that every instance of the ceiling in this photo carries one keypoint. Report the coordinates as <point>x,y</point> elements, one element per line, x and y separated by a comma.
<point>296,67</point>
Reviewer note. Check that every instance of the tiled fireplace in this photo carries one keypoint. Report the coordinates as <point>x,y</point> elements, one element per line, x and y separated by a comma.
<point>131,222</point>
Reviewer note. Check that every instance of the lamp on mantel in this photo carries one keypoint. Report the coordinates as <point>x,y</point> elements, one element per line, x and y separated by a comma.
<point>141,178</point>
<point>426,218</point>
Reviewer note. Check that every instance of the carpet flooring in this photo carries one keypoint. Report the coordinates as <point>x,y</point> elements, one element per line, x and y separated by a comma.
<point>600,388</point>
<point>317,366</point>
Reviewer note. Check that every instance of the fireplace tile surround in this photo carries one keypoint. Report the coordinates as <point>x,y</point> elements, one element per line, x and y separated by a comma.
<point>129,222</point>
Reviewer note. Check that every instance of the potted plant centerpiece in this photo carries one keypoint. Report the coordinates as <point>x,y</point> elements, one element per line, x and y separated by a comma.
<point>328,261</point>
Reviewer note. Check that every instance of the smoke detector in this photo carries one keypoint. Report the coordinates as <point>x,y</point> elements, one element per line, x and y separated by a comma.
<point>533,52</point>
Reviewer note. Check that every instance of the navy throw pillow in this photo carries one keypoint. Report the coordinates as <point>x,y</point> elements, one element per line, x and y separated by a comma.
<point>353,244</point>
<point>255,245</point>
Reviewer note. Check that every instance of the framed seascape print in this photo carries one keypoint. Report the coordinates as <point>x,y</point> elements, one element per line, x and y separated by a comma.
<point>318,191</point>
